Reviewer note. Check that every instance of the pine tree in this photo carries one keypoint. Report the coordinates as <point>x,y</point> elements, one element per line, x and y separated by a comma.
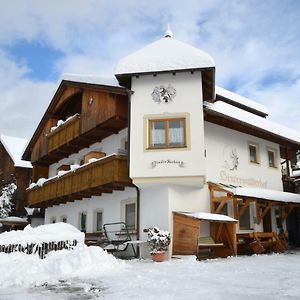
<point>5,199</point>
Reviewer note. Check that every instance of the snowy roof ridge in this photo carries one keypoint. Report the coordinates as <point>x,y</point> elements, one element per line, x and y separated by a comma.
<point>241,115</point>
<point>165,54</point>
<point>15,147</point>
<point>240,100</point>
<point>109,80</point>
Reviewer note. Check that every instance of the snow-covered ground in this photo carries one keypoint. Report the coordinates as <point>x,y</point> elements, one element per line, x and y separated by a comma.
<point>91,273</point>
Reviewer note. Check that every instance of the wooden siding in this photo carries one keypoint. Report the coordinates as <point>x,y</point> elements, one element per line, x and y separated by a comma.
<point>102,114</point>
<point>96,178</point>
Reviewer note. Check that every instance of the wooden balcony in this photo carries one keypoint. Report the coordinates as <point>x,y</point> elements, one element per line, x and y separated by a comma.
<point>90,126</point>
<point>103,176</point>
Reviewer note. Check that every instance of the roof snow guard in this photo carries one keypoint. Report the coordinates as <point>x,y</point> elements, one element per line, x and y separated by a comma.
<point>166,54</point>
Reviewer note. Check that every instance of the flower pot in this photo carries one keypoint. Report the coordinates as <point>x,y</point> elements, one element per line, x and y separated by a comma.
<point>158,256</point>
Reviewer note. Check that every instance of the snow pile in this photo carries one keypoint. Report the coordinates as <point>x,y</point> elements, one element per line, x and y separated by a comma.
<point>62,122</point>
<point>19,269</point>
<point>45,233</point>
<point>41,181</point>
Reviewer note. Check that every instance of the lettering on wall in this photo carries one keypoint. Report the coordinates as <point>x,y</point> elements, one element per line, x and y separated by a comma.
<point>163,94</point>
<point>165,162</point>
<point>227,177</point>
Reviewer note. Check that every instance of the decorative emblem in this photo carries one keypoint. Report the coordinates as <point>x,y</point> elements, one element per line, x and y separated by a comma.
<point>163,94</point>
<point>231,158</point>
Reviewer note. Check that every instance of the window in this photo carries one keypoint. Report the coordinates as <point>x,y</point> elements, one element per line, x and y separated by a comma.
<point>253,153</point>
<point>64,219</point>
<point>244,220</point>
<point>98,220</point>
<point>272,158</point>
<point>82,221</point>
<point>167,133</point>
<point>130,215</point>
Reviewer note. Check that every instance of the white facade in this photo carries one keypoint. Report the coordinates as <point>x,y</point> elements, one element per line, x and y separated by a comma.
<point>186,104</point>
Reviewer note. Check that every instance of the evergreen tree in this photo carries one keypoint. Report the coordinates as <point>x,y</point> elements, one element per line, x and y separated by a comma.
<point>5,199</point>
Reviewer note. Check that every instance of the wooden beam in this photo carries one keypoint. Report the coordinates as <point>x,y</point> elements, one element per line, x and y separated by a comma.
<point>261,216</point>
<point>244,208</point>
<point>220,206</point>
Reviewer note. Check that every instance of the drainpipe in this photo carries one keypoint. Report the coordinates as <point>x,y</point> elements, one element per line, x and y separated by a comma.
<point>129,93</point>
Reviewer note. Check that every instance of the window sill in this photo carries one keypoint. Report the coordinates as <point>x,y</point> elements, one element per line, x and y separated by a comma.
<point>166,148</point>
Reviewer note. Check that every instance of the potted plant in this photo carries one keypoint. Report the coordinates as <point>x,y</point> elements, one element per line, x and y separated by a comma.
<point>159,242</point>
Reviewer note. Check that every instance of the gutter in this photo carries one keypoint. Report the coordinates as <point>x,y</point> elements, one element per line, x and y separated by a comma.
<point>129,93</point>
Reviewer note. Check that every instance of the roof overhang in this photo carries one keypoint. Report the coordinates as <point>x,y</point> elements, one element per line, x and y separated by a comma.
<point>209,217</point>
<point>258,193</point>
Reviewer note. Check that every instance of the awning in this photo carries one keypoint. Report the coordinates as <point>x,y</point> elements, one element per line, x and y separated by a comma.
<point>265,194</point>
<point>207,216</point>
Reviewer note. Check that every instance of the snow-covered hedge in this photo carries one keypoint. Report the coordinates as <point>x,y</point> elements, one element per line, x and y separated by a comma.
<point>41,240</point>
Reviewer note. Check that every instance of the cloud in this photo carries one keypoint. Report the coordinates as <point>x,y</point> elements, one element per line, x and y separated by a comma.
<point>255,45</point>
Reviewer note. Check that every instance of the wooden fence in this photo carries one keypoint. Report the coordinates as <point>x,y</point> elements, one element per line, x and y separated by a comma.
<point>42,249</point>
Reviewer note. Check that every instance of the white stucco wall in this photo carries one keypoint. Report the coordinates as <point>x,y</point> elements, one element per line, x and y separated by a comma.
<point>187,102</point>
<point>220,141</point>
<point>109,204</point>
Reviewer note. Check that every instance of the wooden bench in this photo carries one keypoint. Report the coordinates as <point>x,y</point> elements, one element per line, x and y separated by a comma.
<point>266,241</point>
<point>206,242</point>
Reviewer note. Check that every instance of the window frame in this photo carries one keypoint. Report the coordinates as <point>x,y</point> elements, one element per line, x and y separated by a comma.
<point>166,121</point>
<point>64,217</point>
<point>79,221</point>
<point>100,210</point>
<point>257,158</point>
<point>275,160</point>
<point>123,212</point>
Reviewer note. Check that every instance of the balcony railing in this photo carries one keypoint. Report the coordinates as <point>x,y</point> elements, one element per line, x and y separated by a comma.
<point>93,179</point>
<point>64,134</point>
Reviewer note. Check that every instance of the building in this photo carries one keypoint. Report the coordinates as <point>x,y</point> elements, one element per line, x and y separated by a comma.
<point>15,170</point>
<point>161,139</point>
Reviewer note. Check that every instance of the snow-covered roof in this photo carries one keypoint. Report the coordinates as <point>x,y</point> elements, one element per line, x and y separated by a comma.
<point>166,54</point>
<point>241,115</point>
<point>13,219</point>
<point>109,80</point>
<point>15,148</point>
<point>242,101</point>
<point>45,233</point>
<point>266,194</point>
<point>208,216</point>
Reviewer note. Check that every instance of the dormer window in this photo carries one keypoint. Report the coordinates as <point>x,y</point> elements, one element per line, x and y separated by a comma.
<point>167,133</point>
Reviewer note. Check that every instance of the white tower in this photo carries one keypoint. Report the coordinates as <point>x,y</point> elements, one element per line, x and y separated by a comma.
<point>170,80</point>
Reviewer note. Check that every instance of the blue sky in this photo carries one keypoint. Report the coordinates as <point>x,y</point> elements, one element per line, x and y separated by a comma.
<point>255,45</point>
